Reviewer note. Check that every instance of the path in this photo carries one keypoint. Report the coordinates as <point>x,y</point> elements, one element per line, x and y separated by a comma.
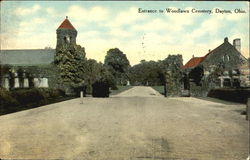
<point>148,127</point>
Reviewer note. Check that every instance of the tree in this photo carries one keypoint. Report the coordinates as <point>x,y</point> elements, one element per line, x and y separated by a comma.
<point>146,73</point>
<point>118,64</point>
<point>97,72</point>
<point>154,73</point>
<point>71,61</point>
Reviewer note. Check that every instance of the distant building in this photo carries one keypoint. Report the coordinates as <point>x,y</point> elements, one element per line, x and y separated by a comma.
<point>26,68</point>
<point>226,62</point>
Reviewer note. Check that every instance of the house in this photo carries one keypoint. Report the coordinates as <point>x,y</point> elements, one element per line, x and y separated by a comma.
<point>26,68</point>
<point>224,62</point>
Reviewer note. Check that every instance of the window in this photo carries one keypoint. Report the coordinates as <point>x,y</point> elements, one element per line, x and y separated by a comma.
<point>67,39</point>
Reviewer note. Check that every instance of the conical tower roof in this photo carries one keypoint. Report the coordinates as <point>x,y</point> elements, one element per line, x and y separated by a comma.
<point>66,24</point>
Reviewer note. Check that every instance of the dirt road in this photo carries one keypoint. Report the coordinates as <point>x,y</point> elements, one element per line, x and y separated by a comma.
<point>138,124</point>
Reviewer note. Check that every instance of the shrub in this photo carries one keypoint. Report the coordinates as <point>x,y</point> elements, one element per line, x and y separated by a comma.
<point>7,102</point>
<point>230,94</point>
<point>26,96</point>
<point>20,99</point>
<point>100,89</point>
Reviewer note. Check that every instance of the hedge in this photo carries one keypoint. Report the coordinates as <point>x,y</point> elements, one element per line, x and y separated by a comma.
<point>20,99</point>
<point>229,94</point>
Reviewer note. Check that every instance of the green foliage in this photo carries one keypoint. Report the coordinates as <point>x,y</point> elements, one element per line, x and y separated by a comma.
<point>15,100</point>
<point>158,73</point>
<point>118,64</point>
<point>239,95</point>
<point>172,67</point>
<point>146,73</point>
<point>6,100</point>
<point>119,89</point>
<point>71,62</point>
<point>97,72</point>
<point>159,89</point>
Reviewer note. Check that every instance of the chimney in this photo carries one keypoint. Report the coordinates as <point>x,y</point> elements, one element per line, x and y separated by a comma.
<point>209,50</point>
<point>192,56</point>
<point>236,44</point>
<point>225,39</point>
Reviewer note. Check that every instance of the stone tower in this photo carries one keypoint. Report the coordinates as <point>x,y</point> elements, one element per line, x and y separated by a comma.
<point>66,33</point>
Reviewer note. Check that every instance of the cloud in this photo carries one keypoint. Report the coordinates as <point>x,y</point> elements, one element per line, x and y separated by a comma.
<point>51,11</point>
<point>121,33</point>
<point>39,20</point>
<point>94,14</point>
<point>26,11</point>
<point>129,16</point>
<point>31,27</point>
<point>101,28</point>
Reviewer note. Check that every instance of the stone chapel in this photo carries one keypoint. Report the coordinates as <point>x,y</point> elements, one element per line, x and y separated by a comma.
<point>27,68</point>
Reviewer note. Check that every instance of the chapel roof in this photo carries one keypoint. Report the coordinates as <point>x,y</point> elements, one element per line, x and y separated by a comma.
<point>66,24</point>
<point>27,57</point>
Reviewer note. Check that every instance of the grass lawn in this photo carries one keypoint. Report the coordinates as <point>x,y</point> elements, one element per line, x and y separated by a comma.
<point>120,89</point>
<point>219,100</point>
<point>159,89</point>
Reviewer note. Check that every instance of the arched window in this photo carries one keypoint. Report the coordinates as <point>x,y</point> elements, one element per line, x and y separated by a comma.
<point>67,39</point>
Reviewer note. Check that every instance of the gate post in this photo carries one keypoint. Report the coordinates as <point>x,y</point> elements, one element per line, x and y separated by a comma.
<point>165,90</point>
<point>247,117</point>
<point>81,97</point>
<point>248,109</point>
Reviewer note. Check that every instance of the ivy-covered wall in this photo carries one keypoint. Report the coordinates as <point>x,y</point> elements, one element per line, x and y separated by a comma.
<point>49,71</point>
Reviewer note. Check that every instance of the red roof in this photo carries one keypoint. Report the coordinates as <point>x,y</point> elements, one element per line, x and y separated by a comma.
<point>66,24</point>
<point>193,62</point>
<point>196,60</point>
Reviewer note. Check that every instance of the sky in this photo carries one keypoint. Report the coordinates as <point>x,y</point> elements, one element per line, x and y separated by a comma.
<point>103,25</point>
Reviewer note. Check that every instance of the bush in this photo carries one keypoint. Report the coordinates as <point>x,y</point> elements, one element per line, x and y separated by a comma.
<point>7,102</point>
<point>100,89</point>
<point>230,94</point>
<point>114,87</point>
<point>28,96</point>
<point>20,99</point>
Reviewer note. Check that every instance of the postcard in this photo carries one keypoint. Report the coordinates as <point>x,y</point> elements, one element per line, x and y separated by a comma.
<point>124,80</point>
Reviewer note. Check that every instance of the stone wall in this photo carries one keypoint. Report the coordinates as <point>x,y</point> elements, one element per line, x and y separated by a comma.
<point>64,34</point>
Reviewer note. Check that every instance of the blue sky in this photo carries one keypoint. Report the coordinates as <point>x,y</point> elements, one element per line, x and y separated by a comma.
<point>105,25</point>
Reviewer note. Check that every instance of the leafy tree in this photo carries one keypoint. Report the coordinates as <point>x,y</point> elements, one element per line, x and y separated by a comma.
<point>146,73</point>
<point>118,64</point>
<point>97,72</point>
<point>71,61</point>
<point>154,73</point>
